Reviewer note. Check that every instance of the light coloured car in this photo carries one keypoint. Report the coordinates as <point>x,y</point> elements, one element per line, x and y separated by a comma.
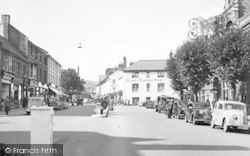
<point>230,114</point>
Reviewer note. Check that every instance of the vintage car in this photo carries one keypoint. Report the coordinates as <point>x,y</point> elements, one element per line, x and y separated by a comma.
<point>54,102</point>
<point>150,104</point>
<point>230,114</point>
<point>34,101</point>
<point>163,103</point>
<point>198,112</point>
<point>181,107</point>
<point>64,102</point>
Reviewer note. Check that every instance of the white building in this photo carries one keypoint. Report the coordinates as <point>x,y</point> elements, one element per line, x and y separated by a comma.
<point>145,80</point>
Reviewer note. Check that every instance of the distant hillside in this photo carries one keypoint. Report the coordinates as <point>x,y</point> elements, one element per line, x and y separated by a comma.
<point>89,83</point>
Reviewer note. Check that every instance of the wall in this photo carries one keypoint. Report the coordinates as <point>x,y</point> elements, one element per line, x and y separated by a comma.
<point>142,81</point>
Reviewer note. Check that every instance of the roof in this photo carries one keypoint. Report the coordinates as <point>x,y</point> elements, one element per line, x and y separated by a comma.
<point>147,65</point>
<point>232,102</point>
<point>89,83</point>
<point>9,47</point>
<point>102,77</point>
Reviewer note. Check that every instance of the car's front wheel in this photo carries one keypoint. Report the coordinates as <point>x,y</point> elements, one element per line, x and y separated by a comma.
<point>225,126</point>
<point>194,122</point>
<point>212,123</point>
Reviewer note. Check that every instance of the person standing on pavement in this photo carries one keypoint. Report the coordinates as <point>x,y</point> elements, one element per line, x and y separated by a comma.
<point>7,105</point>
<point>111,103</point>
<point>170,109</point>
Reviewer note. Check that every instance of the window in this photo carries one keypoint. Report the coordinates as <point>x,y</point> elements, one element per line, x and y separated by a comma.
<point>113,81</point>
<point>220,106</point>
<point>135,74</point>
<point>148,87</point>
<point>31,70</point>
<point>160,87</point>
<point>160,74</point>
<point>148,74</point>
<point>135,87</point>
<point>148,98</point>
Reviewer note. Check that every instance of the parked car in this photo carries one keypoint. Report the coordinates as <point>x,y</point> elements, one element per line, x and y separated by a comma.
<point>64,103</point>
<point>150,104</point>
<point>162,106</point>
<point>181,107</point>
<point>230,114</point>
<point>198,112</point>
<point>54,102</point>
<point>79,102</point>
<point>34,101</point>
<point>142,104</point>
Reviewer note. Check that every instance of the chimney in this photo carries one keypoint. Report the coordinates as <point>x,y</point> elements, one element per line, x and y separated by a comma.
<point>124,62</point>
<point>131,63</point>
<point>5,24</point>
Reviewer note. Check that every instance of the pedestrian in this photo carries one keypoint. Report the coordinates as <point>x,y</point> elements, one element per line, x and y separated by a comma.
<point>170,108</point>
<point>25,102</point>
<point>112,103</point>
<point>1,104</point>
<point>104,104</point>
<point>7,103</point>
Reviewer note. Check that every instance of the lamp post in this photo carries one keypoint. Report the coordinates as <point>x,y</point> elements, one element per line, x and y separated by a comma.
<point>1,71</point>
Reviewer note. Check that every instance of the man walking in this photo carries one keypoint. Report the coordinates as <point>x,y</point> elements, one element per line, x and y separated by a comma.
<point>7,103</point>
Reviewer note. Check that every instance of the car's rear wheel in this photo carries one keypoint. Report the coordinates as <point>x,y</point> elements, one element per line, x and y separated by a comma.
<point>186,118</point>
<point>225,126</point>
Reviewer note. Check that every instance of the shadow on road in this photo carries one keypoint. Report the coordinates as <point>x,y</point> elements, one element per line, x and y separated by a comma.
<point>95,144</point>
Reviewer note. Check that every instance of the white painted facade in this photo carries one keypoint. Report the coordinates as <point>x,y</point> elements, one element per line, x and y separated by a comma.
<point>150,85</point>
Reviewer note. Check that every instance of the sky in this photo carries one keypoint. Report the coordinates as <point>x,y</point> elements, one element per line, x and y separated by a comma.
<point>108,30</point>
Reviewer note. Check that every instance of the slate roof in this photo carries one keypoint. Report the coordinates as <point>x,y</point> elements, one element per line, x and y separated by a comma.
<point>147,65</point>
<point>9,47</point>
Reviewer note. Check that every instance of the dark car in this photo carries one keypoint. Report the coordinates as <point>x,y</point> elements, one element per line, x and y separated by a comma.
<point>181,107</point>
<point>198,112</point>
<point>150,104</point>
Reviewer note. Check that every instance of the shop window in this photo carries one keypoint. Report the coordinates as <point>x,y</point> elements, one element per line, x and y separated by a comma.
<point>135,87</point>
<point>135,75</point>
<point>160,87</point>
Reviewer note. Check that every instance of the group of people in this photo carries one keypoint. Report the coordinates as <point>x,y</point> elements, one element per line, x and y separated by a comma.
<point>6,104</point>
<point>107,101</point>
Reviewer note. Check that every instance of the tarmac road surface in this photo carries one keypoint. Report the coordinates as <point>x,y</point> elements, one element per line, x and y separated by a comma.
<point>131,131</point>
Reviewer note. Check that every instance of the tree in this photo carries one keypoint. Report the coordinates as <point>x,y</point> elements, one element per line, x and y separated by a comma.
<point>174,75</point>
<point>72,82</point>
<point>193,64</point>
<point>230,55</point>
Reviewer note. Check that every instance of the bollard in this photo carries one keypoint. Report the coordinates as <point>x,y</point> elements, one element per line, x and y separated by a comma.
<point>41,128</point>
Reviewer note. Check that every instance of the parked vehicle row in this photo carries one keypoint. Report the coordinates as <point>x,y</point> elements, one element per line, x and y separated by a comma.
<point>225,114</point>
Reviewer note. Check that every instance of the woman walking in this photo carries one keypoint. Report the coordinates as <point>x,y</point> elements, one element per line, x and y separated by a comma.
<point>7,103</point>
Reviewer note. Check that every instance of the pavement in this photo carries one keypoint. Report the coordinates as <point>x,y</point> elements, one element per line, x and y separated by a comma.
<point>131,131</point>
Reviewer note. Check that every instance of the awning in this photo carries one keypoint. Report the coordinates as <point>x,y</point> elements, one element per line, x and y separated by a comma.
<point>55,90</point>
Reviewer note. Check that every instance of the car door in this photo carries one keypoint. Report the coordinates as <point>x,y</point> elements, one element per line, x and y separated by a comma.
<point>220,114</point>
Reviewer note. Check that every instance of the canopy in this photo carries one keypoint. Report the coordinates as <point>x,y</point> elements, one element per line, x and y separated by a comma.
<point>55,90</point>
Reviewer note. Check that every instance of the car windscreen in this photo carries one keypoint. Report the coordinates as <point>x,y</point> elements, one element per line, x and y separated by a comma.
<point>230,106</point>
<point>205,105</point>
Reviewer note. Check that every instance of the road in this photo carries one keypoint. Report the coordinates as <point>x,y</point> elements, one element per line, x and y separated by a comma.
<point>131,131</point>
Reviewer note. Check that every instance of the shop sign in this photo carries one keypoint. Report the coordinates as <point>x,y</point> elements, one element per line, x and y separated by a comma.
<point>33,83</point>
<point>145,80</point>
